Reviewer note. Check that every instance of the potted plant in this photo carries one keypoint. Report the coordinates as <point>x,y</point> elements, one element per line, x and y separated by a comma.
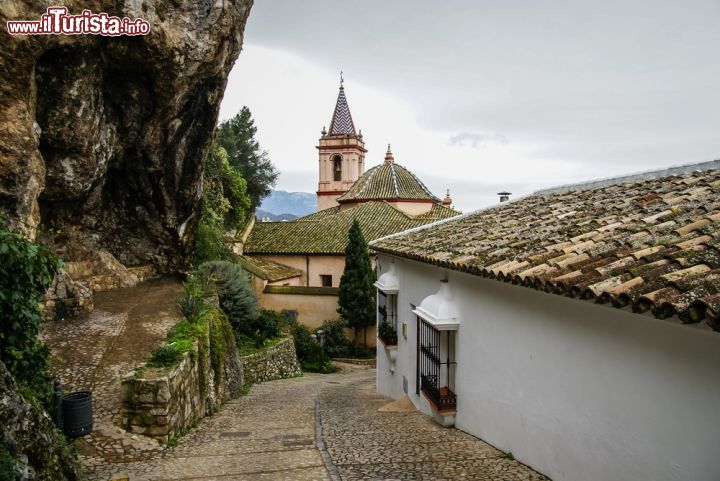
<point>387,334</point>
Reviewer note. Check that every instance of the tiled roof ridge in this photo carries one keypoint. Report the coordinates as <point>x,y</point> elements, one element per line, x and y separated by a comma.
<point>393,176</point>
<point>437,209</point>
<point>394,207</point>
<point>372,173</point>
<point>440,222</point>
<point>422,185</point>
<point>634,177</point>
<point>593,184</point>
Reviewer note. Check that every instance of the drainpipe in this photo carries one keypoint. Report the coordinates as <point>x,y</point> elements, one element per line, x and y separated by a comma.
<point>307,271</point>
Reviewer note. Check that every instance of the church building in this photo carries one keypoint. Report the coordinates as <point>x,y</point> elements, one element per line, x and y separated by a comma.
<point>342,155</point>
<point>297,265</point>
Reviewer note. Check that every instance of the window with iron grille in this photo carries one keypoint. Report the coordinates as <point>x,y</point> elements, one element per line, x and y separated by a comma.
<point>387,308</point>
<point>387,319</point>
<point>436,365</point>
<point>326,280</point>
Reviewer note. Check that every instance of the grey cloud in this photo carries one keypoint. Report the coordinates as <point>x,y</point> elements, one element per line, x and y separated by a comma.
<point>605,87</point>
<point>476,141</point>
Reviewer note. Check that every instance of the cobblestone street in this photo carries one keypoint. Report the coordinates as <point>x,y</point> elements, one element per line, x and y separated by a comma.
<point>94,351</point>
<point>270,434</point>
<point>369,444</point>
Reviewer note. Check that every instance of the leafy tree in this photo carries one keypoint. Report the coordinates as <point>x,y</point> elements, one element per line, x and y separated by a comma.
<point>357,293</point>
<point>225,205</point>
<point>26,271</point>
<point>237,137</point>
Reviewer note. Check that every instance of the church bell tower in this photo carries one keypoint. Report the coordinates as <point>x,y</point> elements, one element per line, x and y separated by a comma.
<point>341,155</point>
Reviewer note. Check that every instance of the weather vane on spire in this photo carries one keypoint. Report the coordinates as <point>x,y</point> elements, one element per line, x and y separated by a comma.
<point>341,77</point>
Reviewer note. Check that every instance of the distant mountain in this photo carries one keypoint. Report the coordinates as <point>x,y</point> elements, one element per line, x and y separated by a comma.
<point>263,214</point>
<point>282,202</point>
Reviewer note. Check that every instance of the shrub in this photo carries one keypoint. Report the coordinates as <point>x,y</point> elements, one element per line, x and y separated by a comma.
<point>164,356</point>
<point>335,342</point>
<point>10,469</point>
<point>193,308</point>
<point>237,297</point>
<point>309,352</point>
<point>209,243</point>
<point>26,271</point>
<point>267,325</point>
<point>222,339</point>
<point>387,334</point>
<point>225,205</point>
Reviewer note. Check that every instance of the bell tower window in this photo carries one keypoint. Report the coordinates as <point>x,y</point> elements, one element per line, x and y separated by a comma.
<point>337,167</point>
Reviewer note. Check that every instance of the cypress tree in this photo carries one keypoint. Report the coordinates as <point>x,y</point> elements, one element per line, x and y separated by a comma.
<point>357,293</point>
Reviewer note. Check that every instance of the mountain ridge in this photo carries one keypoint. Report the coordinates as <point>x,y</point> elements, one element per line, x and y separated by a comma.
<point>281,202</point>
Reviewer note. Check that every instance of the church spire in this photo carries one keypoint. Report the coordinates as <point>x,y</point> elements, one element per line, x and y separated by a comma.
<point>389,159</point>
<point>342,122</point>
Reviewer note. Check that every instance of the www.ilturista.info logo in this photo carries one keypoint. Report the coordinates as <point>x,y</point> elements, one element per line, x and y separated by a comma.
<point>56,21</point>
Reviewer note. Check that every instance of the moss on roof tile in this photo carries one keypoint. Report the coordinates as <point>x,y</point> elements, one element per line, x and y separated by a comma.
<point>614,243</point>
<point>325,232</point>
<point>268,270</point>
<point>388,181</point>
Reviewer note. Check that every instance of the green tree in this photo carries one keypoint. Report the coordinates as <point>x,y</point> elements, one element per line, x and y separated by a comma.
<point>237,137</point>
<point>357,293</point>
<point>225,205</point>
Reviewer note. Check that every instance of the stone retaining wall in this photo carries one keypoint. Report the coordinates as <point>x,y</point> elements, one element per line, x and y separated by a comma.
<point>275,362</point>
<point>164,403</point>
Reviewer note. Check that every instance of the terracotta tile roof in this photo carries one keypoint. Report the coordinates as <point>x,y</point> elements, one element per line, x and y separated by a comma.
<point>325,232</point>
<point>653,244</point>
<point>387,181</point>
<point>439,212</point>
<point>268,270</point>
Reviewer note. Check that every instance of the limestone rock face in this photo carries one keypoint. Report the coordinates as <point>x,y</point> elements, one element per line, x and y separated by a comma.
<point>102,138</point>
<point>30,437</point>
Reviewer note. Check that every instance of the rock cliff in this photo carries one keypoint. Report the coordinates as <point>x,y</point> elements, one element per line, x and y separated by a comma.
<point>29,437</point>
<point>102,138</point>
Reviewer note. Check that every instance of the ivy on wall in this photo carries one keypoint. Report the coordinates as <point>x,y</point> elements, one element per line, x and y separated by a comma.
<point>26,271</point>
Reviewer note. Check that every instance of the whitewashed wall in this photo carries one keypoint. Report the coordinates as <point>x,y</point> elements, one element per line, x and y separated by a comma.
<point>576,390</point>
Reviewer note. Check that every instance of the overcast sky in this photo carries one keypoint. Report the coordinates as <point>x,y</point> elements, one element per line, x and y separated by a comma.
<point>480,96</point>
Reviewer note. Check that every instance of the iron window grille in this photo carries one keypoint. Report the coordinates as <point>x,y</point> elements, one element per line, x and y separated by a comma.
<point>387,309</point>
<point>430,366</point>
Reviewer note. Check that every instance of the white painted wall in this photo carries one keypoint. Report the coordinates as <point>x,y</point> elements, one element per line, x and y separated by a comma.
<point>576,390</point>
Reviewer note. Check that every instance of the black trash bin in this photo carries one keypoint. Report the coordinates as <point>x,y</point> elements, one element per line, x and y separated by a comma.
<point>77,414</point>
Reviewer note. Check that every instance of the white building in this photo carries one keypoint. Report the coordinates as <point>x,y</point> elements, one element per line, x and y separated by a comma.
<point>575,329</point>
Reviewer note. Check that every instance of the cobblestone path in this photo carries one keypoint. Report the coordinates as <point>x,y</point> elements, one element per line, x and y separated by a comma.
<point>368,444</point>
<point>267,435</point>
<point>94,351</point>
<point>270,434</point>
